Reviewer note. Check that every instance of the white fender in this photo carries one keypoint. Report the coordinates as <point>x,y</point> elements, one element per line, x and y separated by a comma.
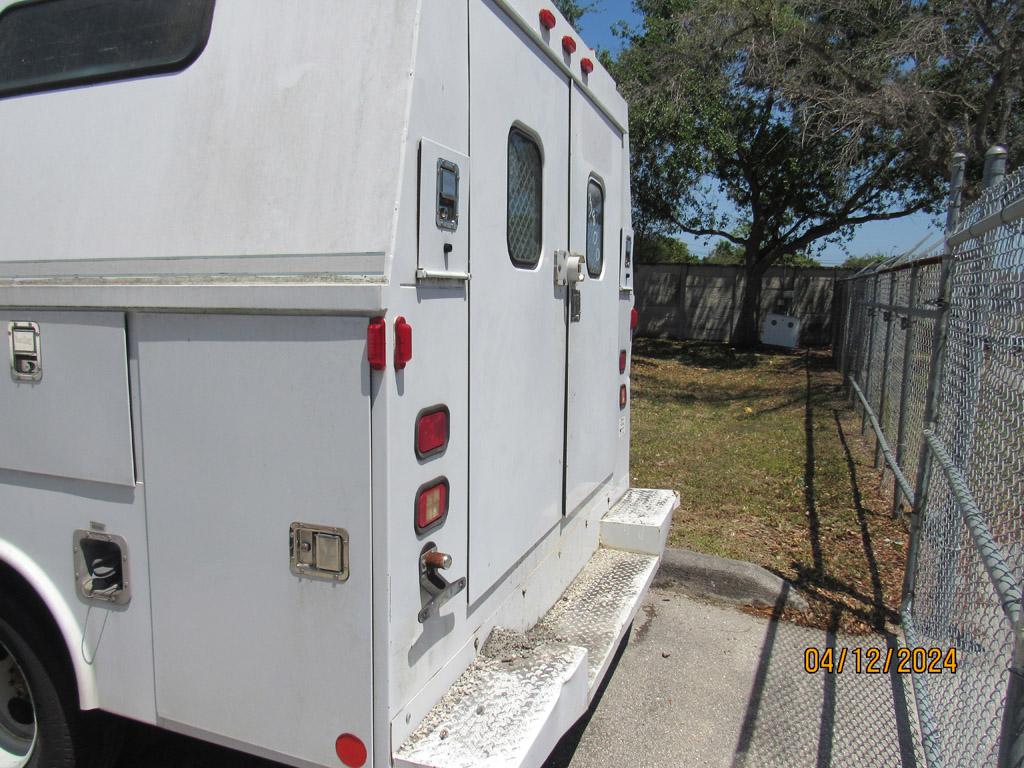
<point>61,612</point>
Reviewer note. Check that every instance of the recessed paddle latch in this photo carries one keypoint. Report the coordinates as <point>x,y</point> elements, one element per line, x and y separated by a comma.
<point>318,551</point>
<point>26,355</point>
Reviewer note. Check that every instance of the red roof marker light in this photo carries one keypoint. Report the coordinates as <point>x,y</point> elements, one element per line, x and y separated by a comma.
<point>568,44</point>
<point>587,66</point>
<point>547,19</point>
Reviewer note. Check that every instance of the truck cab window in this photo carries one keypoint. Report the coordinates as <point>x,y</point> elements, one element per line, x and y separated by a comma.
<point>524,199</point>
<point>60,43</point>
<point>595,228</point>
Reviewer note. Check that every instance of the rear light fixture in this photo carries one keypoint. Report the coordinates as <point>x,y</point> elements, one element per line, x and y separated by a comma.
<point>431,505</point>
<point>623,397</point>
<point>587,66</point>
<point>634,319</point>
<point>547,19</point>
<point>403,343</point>
<point>376,344</point>
<point>568,44</point>
<point>432,431</point>
<point>622,361</point>
<point>350,750</point>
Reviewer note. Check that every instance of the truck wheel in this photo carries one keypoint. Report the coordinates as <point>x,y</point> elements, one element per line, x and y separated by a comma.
<point>40,723</point>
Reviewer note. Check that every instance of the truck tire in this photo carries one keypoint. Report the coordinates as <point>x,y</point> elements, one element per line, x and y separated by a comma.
<point>41,725</point>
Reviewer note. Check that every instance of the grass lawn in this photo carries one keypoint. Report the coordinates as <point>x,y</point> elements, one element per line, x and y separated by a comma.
<point>771,467</point>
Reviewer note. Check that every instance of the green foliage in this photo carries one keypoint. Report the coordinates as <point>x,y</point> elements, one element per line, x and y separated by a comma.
<point>725,252</point>
<point>780,127</point>
<point>859,262</point>
<point>573,10</point>
<point>662,249</point>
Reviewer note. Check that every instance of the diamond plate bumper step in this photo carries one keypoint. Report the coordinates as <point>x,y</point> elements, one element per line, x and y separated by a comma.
<point>640,521</point>
<point>514,702</point>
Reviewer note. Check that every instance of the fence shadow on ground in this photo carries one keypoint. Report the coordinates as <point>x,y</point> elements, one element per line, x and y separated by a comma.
<point>795,717</point>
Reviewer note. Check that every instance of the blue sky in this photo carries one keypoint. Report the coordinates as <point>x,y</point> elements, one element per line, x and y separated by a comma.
<point>877,237</point>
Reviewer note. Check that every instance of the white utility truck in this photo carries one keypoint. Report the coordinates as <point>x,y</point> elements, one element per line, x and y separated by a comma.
<point>315,434</point>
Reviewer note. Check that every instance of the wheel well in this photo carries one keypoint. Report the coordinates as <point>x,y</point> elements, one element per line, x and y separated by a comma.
<point>14,585</point>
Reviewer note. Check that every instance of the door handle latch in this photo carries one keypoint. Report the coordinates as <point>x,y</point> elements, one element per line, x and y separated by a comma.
<point>434,584</point>
<point>569,268</point>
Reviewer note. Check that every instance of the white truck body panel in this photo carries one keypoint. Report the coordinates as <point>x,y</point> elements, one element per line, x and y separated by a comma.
<point>236,225</point>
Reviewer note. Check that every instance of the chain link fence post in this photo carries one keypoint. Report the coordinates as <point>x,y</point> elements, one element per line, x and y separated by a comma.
<point>908,358</point>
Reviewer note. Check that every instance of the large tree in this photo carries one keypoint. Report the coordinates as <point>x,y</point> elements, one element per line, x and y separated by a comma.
<point>779,127</point>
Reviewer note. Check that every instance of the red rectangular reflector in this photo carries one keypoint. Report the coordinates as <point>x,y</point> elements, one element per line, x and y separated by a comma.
<point>376,344</point>
<point>622,361</point>
<point>634,319</point>
<point>403,343</point>
<point>431,505</point>
<point>623,397</point>
<point>432,431</point>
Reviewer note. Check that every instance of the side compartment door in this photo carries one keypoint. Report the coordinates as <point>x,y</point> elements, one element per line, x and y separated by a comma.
<point>595,214</point>
<point>519,147</point>
<point>251,424</point>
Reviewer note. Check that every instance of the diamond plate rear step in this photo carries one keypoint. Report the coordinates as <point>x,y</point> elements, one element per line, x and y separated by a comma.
<point>639,522</point>
<point>514,702</point>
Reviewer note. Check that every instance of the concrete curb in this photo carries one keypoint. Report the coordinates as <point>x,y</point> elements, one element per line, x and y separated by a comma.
<point>724,580</point>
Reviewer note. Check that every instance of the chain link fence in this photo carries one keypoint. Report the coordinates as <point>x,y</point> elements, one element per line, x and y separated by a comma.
<point>932,347</point>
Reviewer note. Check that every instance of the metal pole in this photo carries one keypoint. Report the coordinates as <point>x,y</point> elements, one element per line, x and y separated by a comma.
<point>872,308</point>
<point>959,160</point>
<point>995,166</point>
<point>908,370</point>
<point>924,714</point>
<point>887,317</point>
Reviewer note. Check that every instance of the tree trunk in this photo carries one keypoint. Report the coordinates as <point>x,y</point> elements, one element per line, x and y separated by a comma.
<point>745,333</point>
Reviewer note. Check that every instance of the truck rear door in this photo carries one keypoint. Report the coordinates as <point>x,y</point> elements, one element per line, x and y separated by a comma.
<point>594,417</point>
<point>520,148</point>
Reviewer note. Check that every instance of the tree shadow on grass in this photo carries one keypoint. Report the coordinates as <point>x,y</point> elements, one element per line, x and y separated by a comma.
<point>705,354</point>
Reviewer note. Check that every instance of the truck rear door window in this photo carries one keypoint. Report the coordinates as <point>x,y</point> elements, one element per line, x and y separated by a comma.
<point>59,43</point>
<point>524,199</point>
<point>595,228</point>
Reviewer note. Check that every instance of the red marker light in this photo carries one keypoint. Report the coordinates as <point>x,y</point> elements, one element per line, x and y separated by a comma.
<point>403,343</point>
<point>634,319</point>
<point>587,66</point>
<point>547,19</point>
<point>432,432</point>
<point>568,44</point>
<point>351,750</point>
<point>622,361</point>
<point>623,397</point>
<point>431,505</point>
<point>376,344</point>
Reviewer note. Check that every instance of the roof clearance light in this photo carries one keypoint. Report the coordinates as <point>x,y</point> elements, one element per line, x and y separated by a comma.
<point>351,750</point>
<point>432,432</point>
<point>568,44</point>
<point>587,66</point>
<point>547,19</point>
<point>403,343</point>
<point>622,361</point>
<point>634,319</point>
<point>376,344</point>
<point>623,397</point>
<point>431,505</point>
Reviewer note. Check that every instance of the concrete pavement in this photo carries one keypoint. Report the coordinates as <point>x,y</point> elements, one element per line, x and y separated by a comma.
<point>696,685</point>
<point>703,685</point>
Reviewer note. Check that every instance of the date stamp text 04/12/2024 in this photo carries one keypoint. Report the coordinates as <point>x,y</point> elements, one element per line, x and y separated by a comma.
<point>880,661</point>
